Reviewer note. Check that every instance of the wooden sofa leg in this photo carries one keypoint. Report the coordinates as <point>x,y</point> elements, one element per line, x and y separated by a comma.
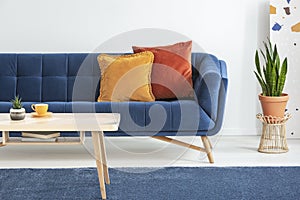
<point>207,146</point>
<point>180,143</point>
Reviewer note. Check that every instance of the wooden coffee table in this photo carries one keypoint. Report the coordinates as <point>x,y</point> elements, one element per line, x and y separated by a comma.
<point>96,123</point>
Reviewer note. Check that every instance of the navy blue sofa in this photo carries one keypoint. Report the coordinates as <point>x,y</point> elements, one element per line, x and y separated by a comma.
<point>70,83</point>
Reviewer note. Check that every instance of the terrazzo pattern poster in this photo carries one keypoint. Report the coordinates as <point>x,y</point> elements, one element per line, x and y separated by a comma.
<point>285,32</point>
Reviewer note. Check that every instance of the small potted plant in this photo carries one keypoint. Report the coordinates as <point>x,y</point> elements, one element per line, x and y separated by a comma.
<point>17,112</point>
<point>271,78</point>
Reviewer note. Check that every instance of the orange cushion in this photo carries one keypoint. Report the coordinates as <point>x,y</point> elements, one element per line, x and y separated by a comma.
<point>171,73</point>
<point>126,77</point>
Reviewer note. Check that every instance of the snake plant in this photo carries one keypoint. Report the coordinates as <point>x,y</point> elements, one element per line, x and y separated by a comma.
<point>272,75</point>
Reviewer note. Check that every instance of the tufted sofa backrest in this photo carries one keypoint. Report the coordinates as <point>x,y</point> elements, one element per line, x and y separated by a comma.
<point>49,77</point>
<point>66,77</point>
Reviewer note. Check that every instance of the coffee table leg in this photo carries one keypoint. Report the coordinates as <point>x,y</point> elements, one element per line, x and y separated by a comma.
<point>1,143</point>
<point>5,137</point>
<point>82,137</point>
<point>103,155</point>
<point>97,150</point>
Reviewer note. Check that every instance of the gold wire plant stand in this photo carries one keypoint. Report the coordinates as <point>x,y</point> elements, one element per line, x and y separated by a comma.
<point>273,137</point>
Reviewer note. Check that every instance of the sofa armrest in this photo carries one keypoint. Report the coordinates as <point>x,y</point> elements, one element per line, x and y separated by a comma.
<point>210,85</point>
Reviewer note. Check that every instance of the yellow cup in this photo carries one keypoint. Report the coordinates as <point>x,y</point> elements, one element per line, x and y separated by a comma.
<point>40,108</point>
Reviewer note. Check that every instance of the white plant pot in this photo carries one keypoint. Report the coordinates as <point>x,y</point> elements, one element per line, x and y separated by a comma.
<point>17,114</point>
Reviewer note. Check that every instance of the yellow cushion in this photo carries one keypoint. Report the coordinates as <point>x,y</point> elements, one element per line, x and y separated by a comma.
<point>126,77</point>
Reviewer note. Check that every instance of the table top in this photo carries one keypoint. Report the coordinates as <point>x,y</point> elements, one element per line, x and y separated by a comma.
<point>62,122</point>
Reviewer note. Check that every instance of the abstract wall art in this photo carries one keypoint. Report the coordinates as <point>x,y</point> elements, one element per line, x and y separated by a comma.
<point>285,32</point>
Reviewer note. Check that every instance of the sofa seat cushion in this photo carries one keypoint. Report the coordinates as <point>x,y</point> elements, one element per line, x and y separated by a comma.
<point>59,107</point>
<point>5,106</point>
<point>183,115</point>
<point>139,117</point>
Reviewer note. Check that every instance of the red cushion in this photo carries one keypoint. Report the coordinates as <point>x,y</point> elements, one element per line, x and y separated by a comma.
<point>171,75</point>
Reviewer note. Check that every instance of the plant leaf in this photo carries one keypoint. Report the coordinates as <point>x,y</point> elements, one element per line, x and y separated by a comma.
<point>262,83</point>
<point>282,77</point>
<point>270,46</point>
<point>257,63</point>
<point>273,85</point>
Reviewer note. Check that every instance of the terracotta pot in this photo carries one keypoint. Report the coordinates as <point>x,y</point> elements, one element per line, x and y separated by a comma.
<point>274,106</point>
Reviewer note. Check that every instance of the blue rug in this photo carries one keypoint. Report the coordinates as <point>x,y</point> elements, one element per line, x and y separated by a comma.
<point>166,183</point>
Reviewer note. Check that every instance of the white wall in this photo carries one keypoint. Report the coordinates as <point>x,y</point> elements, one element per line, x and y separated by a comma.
<point>230,29</point>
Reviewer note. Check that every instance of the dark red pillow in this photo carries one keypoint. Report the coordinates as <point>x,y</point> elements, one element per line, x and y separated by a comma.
<point>171,75</point>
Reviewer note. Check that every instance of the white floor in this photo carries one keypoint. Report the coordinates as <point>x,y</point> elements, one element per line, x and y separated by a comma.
<point>148,152</point>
